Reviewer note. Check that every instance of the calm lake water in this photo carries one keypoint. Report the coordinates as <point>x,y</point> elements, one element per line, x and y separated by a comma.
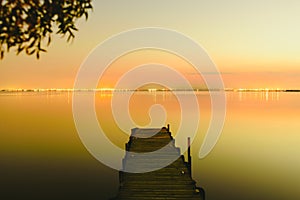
<point>256,157</point>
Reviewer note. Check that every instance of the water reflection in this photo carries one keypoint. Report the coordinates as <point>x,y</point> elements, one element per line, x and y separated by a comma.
<point>257,154</point>
<point>259,96</point>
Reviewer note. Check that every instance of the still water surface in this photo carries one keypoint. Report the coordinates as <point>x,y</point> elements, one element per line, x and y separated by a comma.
<point>256,157</point>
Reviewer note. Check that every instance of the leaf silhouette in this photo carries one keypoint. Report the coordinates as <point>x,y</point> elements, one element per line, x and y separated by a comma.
<point>24,24</point>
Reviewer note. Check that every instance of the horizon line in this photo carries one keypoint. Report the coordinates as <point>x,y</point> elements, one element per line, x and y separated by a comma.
<point>147,90</point>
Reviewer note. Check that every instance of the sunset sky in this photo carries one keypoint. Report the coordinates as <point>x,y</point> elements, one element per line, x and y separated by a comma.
<point>255,44</point>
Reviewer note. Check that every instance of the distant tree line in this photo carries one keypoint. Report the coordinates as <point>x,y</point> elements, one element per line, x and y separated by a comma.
<point>25,24</point>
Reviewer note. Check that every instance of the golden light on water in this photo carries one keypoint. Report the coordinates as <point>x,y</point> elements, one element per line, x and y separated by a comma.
<point>260,138</point>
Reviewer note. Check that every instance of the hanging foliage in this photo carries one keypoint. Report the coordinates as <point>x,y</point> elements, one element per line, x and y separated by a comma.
<point>24,24</point>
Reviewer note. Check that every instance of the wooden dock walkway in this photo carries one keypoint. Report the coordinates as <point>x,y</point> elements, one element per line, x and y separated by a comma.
<point>171,182</point>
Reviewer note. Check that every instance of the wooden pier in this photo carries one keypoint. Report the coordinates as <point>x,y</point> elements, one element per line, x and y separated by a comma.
<point>171,182</point>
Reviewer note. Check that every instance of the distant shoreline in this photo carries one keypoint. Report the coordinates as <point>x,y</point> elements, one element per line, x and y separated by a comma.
<point>144,90</point>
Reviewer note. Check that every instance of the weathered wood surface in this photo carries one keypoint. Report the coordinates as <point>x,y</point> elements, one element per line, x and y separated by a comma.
<point>171,182</point>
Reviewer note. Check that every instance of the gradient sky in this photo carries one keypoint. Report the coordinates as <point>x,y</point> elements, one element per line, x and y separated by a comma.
<point>254,43</point>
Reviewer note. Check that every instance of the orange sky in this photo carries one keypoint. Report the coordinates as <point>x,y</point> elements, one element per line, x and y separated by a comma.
<point>253,43</point>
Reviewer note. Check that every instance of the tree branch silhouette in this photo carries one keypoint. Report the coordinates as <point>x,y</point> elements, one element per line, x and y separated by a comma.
<point>24,24</point>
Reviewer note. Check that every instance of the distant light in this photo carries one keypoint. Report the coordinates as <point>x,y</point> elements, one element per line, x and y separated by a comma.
<point>152,90</point>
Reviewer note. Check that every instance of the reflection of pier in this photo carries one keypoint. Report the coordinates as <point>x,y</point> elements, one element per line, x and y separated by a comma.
<point>171,182</point>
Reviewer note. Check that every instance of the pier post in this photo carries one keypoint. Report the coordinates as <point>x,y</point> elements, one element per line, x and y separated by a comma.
<point>189,156</point>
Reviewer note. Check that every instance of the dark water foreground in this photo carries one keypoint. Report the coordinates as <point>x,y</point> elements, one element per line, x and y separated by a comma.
<point>48,178</point>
